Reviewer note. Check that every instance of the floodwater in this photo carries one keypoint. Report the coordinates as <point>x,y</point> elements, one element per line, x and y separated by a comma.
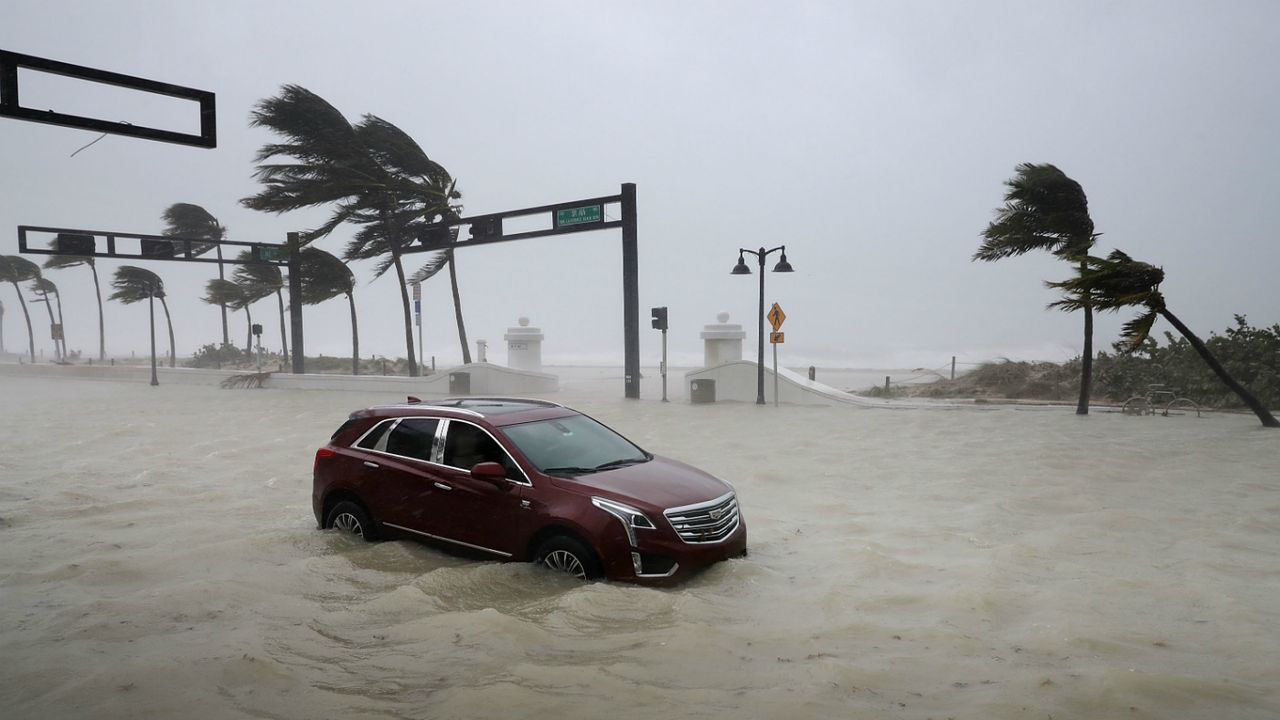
<point>159,559</point>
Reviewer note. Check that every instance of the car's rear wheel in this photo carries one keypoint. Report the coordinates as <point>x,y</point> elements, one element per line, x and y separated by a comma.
<point>351,517</point>
<point>568,555</point>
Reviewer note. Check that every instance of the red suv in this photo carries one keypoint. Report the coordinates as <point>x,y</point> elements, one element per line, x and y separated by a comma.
<point>524,480</point>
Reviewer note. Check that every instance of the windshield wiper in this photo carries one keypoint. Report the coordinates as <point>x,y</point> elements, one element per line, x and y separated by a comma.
<point>620,463</point>
<point>568,470</point>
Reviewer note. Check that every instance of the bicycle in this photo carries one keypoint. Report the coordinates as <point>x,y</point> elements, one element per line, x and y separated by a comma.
<point>1159,395</point>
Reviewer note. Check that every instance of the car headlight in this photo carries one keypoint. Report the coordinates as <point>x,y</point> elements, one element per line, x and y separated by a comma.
<point>630,517</point>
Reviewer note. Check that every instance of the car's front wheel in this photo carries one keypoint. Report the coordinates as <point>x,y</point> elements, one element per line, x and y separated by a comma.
<point>351,517</point>
<point>568,555</point>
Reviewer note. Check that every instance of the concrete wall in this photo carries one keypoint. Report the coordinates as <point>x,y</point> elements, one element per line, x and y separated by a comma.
<point>486,379</point>
<point>736,381</point>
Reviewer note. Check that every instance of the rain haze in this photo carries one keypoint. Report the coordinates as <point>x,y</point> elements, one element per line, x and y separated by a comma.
<point>190,550</point>
<point>870,138</point>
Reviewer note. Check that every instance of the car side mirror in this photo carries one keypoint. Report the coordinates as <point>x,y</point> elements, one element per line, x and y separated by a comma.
<point>492,473</point>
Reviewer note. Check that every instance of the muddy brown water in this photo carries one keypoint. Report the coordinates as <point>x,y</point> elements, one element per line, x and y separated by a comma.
<point>158,558</point>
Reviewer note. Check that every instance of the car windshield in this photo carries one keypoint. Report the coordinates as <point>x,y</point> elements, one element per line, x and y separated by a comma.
<point>573,445</point>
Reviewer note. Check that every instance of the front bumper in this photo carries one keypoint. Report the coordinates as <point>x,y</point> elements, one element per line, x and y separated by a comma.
<point>664,557</point>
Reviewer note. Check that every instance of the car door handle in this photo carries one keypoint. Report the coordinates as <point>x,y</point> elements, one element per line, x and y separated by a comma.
<point>442,486</point>
<point>370,464</point>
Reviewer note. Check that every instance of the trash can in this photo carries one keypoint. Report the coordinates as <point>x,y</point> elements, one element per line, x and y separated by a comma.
<point>702,391</point>
<point>460,383</point>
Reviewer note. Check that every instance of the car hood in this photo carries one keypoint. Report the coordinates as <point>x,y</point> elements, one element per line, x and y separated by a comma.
<point>656,485</point>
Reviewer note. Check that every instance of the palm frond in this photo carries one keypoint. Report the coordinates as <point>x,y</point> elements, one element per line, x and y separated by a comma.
<point>323,276</point>
<point>226,292</point>
<point>1043,210</point>
<point>192,222</point>
<point>1136,330</point>
<point>133,284</point>
<point>16,269</point>
<point>434,264</point>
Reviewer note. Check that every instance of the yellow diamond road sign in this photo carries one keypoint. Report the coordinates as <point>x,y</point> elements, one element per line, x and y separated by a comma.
<point>776,316</point>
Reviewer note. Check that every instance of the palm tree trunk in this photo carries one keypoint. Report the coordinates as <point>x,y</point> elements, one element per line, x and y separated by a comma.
<point>48,305</point>
<point>58,297</point>
<point>284,340</point>
<point>1268,420</point>
<point>457,309</point>
<point>1086,364</point>
<point>102,338</point>
<point>226,339</point>
<point>248,343</point>
<point>355,337</point>
<point>404,301</point>
<point>31,338</point>
<point>172,348</point>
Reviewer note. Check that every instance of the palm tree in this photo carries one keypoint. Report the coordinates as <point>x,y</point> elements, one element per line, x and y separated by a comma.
<point>134,284</point>
<point>259,280</point>
<point>187,220</point>
<point>1,326</point>
<point>1046,210</point>
<point>43,287</point>
<point>66,261</point>
<point>13,270</point>
<point>234,296</point>
<point>373,174</point>
<point>1120,281</point>
<point>324,277</point>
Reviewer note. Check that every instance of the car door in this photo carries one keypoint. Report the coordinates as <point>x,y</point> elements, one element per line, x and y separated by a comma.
<point>406,480</point>
<point>475,513</point>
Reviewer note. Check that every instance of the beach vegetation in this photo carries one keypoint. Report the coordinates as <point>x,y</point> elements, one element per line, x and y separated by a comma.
<point>134,284</point>
<point>187,220</point>
<point>324,277</point>
<point>1044,210</point>
<point>371,174</point>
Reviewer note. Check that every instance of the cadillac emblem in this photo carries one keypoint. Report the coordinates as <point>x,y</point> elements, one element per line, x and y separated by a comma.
<point>717,513</point>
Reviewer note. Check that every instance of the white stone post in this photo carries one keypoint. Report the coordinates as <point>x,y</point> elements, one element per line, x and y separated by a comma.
<point>524,347</point>
<point>722,341</point>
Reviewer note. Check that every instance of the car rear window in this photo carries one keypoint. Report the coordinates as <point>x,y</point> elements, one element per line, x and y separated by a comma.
<point>342,428</point>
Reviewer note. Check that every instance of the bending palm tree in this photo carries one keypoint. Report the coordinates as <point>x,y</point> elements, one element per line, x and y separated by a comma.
<point>373,174</point>
<point>1120,281</point>
<point>13,270</point>
<point>259,280</point>
<point>233,295</point>
<point>43,288</point>
<point>134,284</point>
<point>325,277</point>
<point>66,261</point>
<point>1046,210</point>
<point>192,221</point>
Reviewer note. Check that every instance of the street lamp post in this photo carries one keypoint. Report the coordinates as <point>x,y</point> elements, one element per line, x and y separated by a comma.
<point>742,269</point>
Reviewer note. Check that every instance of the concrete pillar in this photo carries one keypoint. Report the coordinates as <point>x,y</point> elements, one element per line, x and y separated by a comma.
<point>524,347</point>
<point>722,341</point>
<point>480,348</point>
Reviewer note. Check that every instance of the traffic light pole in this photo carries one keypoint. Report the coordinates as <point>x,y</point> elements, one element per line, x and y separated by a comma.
<point>664,365</point>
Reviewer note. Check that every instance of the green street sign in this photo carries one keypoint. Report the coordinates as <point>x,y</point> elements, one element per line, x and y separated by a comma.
<point>578,216</point>
<point>270,254</point>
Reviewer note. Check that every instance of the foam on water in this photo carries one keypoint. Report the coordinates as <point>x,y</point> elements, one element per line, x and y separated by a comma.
<point>161,560</point>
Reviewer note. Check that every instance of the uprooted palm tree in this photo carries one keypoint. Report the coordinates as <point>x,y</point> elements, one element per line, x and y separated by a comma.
<point>325,277</point>
<point>259,280</point>
<point>46,292</point>
<point>233,295</point>
<point>187,220</point>
<point>14,270</point>
<point>57,262</point>
<point>134,284</point>
<point>1046,210</point>
<point>372,174</point>
<point>1119,281</point>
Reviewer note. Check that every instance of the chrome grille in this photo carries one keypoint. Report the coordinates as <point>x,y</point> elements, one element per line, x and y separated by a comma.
<point>707,522</point>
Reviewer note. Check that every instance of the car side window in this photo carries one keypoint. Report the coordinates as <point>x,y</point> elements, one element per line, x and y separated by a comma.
<point>467,445</point>
<point>370,440</point>
<point>413,438</point>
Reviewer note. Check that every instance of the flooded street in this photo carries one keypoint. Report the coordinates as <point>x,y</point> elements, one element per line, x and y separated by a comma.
<point>160,559</point>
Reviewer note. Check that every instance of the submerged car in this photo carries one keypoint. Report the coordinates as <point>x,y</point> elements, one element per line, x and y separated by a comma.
<point>524,480</point>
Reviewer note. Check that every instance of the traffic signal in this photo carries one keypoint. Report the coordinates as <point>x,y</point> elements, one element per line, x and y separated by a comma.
<point>257,329</point>
<point>438,236</point>
<point>659,318</point>
<point>73,244</point>
<point>486,228</point>
<point>158,249</point>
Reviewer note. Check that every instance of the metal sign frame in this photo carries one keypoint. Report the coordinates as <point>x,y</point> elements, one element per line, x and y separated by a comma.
<point>11,102</point>
<point>487,229</point>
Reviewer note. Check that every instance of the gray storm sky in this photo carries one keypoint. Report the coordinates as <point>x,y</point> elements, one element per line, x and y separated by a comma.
<point>870,138</point>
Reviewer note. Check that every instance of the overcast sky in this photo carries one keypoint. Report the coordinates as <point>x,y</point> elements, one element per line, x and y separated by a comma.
<point>870,138</point>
